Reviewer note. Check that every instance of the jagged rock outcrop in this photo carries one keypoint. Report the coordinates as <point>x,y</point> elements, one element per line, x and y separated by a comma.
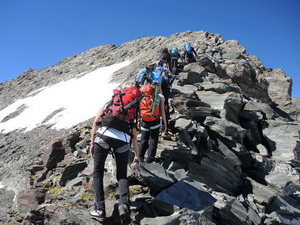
<point>235,158</point>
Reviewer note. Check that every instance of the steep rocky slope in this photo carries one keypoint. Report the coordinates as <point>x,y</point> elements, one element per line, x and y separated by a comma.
<point>235,159</point>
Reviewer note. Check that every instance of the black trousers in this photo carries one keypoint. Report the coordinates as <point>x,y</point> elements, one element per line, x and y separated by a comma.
<point>175,65</point>
<point>189,58</point>
<point>149,139</point>
<point>100,155</point>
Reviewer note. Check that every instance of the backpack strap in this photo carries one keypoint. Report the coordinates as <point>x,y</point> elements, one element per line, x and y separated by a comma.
<point>106,108</point>
<point>133,102</point>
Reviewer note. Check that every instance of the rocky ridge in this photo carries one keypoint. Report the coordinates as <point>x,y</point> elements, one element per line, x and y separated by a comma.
<point>235,159</point>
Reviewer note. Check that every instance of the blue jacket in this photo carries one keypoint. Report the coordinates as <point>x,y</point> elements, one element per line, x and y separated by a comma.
<point>158,70</point>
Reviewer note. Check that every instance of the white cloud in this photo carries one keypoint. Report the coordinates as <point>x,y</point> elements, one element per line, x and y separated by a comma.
<point>79,100</point>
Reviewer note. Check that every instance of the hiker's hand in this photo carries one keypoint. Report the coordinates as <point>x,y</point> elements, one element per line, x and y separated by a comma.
<point>92,150</point>
<point>136,160</point>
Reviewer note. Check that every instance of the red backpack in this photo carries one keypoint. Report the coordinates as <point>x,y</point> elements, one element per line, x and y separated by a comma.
<point>149,105</point>
<point>121,111</point>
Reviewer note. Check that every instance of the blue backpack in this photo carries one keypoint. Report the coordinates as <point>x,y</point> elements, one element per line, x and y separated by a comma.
<point>143,77</point>
<point>188,48</point>
<point>156,77</point>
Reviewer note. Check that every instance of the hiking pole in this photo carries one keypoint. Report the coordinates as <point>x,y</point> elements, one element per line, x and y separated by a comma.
<point>133,102</point>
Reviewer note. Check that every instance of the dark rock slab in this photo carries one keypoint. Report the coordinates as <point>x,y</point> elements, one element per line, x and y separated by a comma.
<point>190,194</point>
<point>153,175</point>
<point>281,182</point>
<point>226,129</point>
<point>277,133</point>
<point>217,173</point>
<point>234,213</point>
<point>71,171</point>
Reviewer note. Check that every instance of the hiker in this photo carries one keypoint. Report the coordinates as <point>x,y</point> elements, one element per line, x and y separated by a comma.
<point>189,53</point>
<point>166,82</point>
<point>206,35</point>
<point>166,57</point>
<point>175,57</point>
<point>144,76</point>
<point>217,41</point>
<point>151,111</point>
<point>112,134</point>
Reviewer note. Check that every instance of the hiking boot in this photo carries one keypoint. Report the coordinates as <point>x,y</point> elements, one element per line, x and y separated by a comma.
<point>98,214</point>
<point>150,159</point>
<point>167,136</point>
<point>124,211</point>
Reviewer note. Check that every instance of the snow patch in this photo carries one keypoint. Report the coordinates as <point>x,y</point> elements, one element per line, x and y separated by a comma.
<point>2,186</point>
<point>68,102</point>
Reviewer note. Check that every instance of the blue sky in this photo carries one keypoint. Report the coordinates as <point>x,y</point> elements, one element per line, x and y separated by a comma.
<point>37,34</point>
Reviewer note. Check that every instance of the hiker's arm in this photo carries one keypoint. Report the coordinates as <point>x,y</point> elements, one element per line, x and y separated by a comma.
<point>160,89</point>
<point>185,58</point>
<point>163,114</point>
<point>94,129</point>
<point>135,147</point>
<point>96,120</point>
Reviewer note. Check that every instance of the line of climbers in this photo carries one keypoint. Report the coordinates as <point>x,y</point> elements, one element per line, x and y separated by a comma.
<point>171,58</point>
<point>141,107</point>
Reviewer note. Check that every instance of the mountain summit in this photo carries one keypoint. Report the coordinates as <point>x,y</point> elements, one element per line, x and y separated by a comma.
<point>235,158</point>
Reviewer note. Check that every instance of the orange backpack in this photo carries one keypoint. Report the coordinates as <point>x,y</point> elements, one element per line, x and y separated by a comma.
<point>149,105</point>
